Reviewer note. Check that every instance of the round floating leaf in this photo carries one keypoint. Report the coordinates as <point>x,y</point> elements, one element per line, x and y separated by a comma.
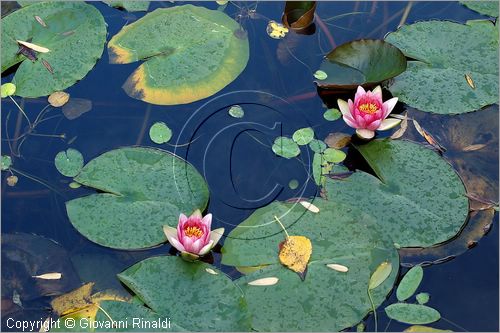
<point>489,8</point>
<point>320,75</point>
<point>129,6</point>
<point>417,199</point>
<point>412,313</point>
<point>195,55</point>
<point>285,147</point>
<point>142,190</point>
<point>456,66</point>
<point>6,162</point>
<point>75,34</point>
<point>69,162</point>
<point>363,62</point>
<point>340,235</point>
<point>334,155</point>
<point>422,298</point>
<point>332,114</point>
<point>303,136</point>
<point>215,301</point>
<point>58,98</point>
<point>8,89</point>
<point>236,111</point>
<point>293,184</point>
<point>160,133</point>
<point>409,283</point>
<point>317,146</point>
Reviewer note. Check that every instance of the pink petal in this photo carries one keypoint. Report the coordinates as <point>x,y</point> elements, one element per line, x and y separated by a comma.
<point>389,105</point>
<point>359,93</point>
<point>197,245</point>
<point>188,243</point>
<point>374,125</point>
<point>207,220</point>
<point>358,118</point>
<point>350,122</point>
<point>175,243</point>
<point>377,92</point>
<point>204,250</point>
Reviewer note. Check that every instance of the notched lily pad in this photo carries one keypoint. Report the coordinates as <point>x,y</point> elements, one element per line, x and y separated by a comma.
<point>69,162</point>
<point>195,55</point>
<point>364,62</point>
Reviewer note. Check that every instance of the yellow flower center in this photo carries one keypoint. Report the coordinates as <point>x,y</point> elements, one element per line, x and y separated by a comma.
<point>193,232</point>
<point>369,108</point>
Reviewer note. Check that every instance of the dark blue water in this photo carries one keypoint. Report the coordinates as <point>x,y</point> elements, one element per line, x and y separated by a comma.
<point>278,96</point>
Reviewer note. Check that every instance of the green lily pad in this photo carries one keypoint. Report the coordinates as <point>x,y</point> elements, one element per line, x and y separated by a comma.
<point>75,34</point>
<point>317,146</point>
<point>69,163</point>
<point>8,89</point>
<point>213,300</point>
<point>195,55</point>
<point>303,136</point>
<point>489,8</point>
<point>320,75</point>
<point>409,283</point>
<point>447,54</point>
<point>417,199</point>
<point>160,133</point>
<point>130,6</point>
<point>6,162</point>
<point>364,62</point>
<point>285,147</point>
<point>236,111</point>
<point>333,155</point>
<point>340,235</point>
<point>143,189</point>
<point>293,184</point>
<point>332,114</point>
<point>415,314</point>
<point>317,169</point>
<point>422,298</point>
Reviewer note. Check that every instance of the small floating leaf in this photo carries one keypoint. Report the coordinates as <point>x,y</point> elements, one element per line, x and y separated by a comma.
<point>236,111</point>
<point>6,162</point>
<point>8,89</point>
<point>160,133</point>
<point>412,313</point>
<point>12,180</point>
<point>317,146</point>
<point>317,169</point>
<point>69,162</point>
<point>423,298</point>
<point>303,136</point>
<point>211,271</point>
<point>380,275</point>
<point>58,98</point>
<point>34,47</point>
<point>75,185</point>
<point>295,252</point>
<point>419,328</point>
<point>409,283</point>
<point>293,184</point>
<point>320,75</point>
<point>264,281</point>
<point>48,276</point>
<point>334,155</point>
<point>276,30</point>
<point>285,147</point>
<point>310,207</point>
<point>338,268</point>
<point>332,114</point>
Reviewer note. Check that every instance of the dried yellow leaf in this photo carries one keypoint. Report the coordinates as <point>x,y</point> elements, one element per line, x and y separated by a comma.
<point>12,180</point>
<point>269,281</point>
<point>59,98</point>
<point>295,253</point>
<point>381,273</point>
<point>474,147</point>
<point>74,300</point>
<point>48,276</point>
<point>338,268</point>
<point>34,47</point>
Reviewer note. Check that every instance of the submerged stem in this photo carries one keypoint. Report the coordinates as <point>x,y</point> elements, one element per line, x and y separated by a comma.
<point>282,226</point>
<point>22,111</point>
<point>373,309</point>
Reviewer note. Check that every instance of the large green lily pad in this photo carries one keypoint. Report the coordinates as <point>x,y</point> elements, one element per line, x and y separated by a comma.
<point>75,34</point>
<point>489,8</point>
<point>447,54</point>
<point>129,6</point>
<point>327,300</point>
<point>417,199</point>
<point>191,53</point>
<point>194,295</point>
<point>143,189</point>
<point>363,62</point>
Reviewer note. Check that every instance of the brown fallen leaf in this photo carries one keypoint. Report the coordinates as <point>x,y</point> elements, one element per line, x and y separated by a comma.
<point>58,98</point>
<point>76,107</point>
<point>295,252</point>
<point>74,300</point>
<point>428,137</point>
<point>12,180</point>
<point>337,140</point>
<point>34,47</point>
<point>402,129</point>
<point>474,147</point>
<point>48,66</point>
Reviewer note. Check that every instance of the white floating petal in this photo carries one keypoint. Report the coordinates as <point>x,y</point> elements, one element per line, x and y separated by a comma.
<point>269,281</point>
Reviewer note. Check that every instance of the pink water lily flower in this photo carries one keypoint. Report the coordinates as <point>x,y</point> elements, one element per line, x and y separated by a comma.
<point>368,112</point>
<point>193,235</point>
